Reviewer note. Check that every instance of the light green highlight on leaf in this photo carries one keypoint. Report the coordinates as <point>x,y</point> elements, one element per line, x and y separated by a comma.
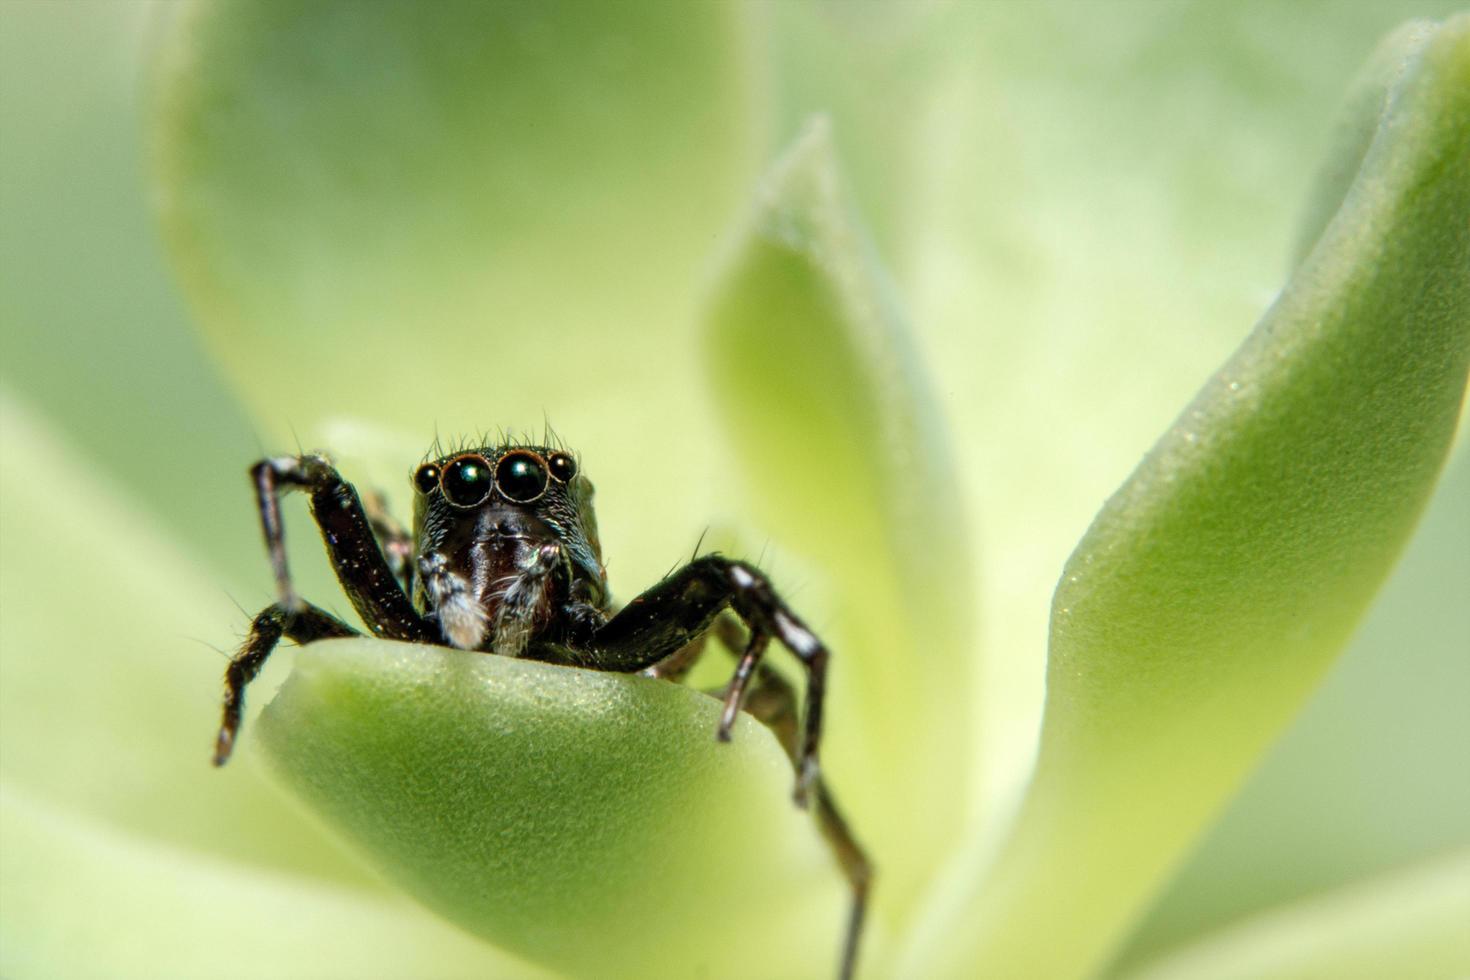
<point>1371,776</point>
<point>1361,115</point>
<point>839,438</point>
<point>588,821</point>
<point>1409,924</point>
<point>108,694</point>
<point>369,194</point>
<point>1216,586</point>
<point>83,899</point>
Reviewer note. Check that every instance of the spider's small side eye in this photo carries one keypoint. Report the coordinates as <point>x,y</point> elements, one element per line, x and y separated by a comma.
<point>466,481</point>
<point>426,478</point>
<point>563,467</point>
<point>521,476</point>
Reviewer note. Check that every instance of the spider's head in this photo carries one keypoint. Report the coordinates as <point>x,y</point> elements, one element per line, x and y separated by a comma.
<point>483,511</point>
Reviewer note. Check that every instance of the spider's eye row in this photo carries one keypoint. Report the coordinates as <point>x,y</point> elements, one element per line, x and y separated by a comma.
<point>521,476</point>
<point>426,478</point>
<point>466,481</point>
<point>563,467</point>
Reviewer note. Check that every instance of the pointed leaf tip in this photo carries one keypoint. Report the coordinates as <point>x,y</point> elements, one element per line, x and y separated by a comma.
<point>821,384</point>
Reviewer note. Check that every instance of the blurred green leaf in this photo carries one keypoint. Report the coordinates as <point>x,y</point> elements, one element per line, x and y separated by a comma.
<point>584,820</point>
<point>1408,924</point>
<point>829,409</point>
<point>110,695</point>
<point>1360,117</point>
<point>1216,586</point>
<point>83,899</point>
<point>455,212</point>
<point>95,335</point>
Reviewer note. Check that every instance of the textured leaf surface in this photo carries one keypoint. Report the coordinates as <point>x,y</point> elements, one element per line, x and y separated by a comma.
<point>1217,584</point>
<point>839,438</point>
<point>1371,776</point>
<point>584,820</point>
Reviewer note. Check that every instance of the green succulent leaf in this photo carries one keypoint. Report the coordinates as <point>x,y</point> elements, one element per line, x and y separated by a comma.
<point>1371,775</point>
<point>846,457</point>
<point>442,199</point>
<point>1407,924</point>
<point>1216,586</point>
<point>587,821</point>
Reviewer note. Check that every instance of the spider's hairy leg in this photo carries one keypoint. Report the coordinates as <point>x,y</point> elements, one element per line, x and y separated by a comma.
<point>302,625</point>
<point>773,701</point>
<point>356,556</point>
<point>683,605</point>
<point>755,648</point>
<point>393,537</point>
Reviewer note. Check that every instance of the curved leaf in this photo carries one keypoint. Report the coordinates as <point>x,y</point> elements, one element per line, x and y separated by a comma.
<point>457,213</point>
<point>840,439</point>
<point>1371,775</point>
<point>584,820</point>
<point>1407,924</point>
<point>1216,586</point>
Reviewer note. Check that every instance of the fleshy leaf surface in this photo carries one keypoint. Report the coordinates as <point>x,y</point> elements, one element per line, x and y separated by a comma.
<point>1371,776</point>
<point>587,821</point>
<point>1216,586</point>
<point>839,438</point>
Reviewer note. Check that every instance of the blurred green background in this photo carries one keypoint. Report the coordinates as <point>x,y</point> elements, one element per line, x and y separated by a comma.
<point>1084,208</point>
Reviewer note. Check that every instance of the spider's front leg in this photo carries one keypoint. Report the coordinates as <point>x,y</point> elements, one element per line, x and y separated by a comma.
<point>347,532</point>
<point>356,557</point>
<point>303,625</point>
<point>682,606</point>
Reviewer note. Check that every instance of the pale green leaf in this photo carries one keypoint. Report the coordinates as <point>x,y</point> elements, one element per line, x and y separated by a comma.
<point>109,686</point>
<point>1412,923</point>
<point>95,335</point>
<point>1361,114</point>
<point>840,440</point>
<point>1216,586</point>
<point>83,898</point>
<point>457,213</point>
<point>588,821</point>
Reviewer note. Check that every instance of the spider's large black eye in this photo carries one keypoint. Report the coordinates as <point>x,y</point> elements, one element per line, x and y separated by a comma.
<point>466,481</point>
<point>563,467</point>
<point>521,476</point>
<point>426,478</point>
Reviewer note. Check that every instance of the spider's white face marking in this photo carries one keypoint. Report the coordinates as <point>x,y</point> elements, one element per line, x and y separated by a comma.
<point>461,618</point>
<point>519,595</point>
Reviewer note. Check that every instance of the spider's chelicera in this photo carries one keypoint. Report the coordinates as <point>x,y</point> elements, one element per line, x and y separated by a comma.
<point>504,559</point>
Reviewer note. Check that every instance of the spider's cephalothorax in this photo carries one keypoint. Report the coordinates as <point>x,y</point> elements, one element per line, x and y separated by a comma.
<point>505,550</point>
<point>505,559</point>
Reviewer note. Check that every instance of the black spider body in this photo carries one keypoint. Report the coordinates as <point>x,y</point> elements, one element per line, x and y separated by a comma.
<point>505,559</point>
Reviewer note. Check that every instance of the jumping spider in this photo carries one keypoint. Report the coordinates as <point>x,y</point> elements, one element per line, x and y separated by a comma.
<point>505,559</point>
